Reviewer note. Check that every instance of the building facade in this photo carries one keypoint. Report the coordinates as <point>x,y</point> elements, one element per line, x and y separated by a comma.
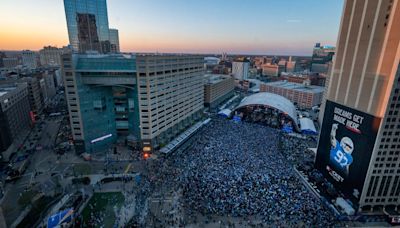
<point>10,62</point>
<point>362,108</point>
<point>303,95</point>
<point>146,99</point>
<point>14,112</point>
<point>87,22</point>
<point>313,78</point>
<point>171,95</point>
<point>217,88</point>
<point>240,69</point>
<point>270,69</point>
<point>29,59</point>
<point>35,96</point>
<point>322,56</point>
<point>50,56</point>
<point>114,41</point>
<point>290,65</point>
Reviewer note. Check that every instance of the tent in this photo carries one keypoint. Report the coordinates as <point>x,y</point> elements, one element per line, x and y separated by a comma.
<point>307,126</point>
<point>225,113</point>
<point>60,218</point>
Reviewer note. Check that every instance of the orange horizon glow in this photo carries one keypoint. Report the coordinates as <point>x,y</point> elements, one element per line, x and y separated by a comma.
<point>179,26</point>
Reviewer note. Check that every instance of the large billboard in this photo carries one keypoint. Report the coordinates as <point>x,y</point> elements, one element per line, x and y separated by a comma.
<point>345,146</point>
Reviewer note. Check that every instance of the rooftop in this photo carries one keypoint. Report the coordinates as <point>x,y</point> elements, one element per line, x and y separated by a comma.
<point>297,86</point>
<point>214,78</point>
<point>102,63</point>
<point>5,89</point>
<point>272,100</point>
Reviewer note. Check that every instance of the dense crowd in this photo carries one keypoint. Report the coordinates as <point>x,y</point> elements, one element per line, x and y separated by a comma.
<point>237,169</point>
<point>296,150</point>
<point>265,116</point>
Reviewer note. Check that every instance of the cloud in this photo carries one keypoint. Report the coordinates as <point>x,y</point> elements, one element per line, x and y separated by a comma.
<point>293,21</point>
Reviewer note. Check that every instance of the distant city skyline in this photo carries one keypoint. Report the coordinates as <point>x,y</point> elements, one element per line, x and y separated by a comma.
<point>237,27</point>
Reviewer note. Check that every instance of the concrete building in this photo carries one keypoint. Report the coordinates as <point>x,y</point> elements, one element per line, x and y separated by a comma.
<point>58,78</point>
<point>114,41</point>
<point>35,96</point>
<point>10,62</point>
<point>217,88</point>
<point>50,86</point>
<point>322,56</point>
<point>304,77</point>
<point>29,59</point>
<point>87,22</point>
<point>171,95</point>
<point>270,69</point>
<point>147,99</point>
<point>14,112</point>
<point>305,96</point>
<point>240,69</point>
<point>210,63</point>
<point>290,65</point>
<point>50,56</point>
<point>362,107</point>
<point>282,64</point>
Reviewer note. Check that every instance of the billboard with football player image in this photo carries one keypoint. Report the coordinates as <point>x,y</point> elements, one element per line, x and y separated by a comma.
<point>345,146</point>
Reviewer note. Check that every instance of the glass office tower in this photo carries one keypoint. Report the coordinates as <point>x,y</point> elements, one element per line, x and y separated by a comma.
<point>114,41</point>
<point>87,22</point>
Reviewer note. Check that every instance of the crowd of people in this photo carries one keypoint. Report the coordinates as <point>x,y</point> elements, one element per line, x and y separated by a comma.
<point>265,116</point>
<point>238,170</point>
<point>296,150</point>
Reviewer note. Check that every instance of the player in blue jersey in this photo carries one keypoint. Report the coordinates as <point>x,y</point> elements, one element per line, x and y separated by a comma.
<point>340,154</point>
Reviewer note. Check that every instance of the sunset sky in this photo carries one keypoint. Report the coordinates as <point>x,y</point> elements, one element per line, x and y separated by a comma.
<point>289,27</point>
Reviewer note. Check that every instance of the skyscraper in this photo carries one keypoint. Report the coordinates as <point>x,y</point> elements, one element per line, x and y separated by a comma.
<point>359,145</point>
<point>114,41</point>
<point>87,22</point>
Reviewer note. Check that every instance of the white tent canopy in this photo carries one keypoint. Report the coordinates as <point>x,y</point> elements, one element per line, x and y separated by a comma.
<point>272,100</point>
<point>225,112</point>
<point>307,126</point>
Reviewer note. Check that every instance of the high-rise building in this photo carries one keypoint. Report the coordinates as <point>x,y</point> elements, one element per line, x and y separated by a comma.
<point>240,69</point>
<point>29,59</point>
<point>114,41</point>
<point>87,22</point>
<point>359,144</point>
<point>148,99</point>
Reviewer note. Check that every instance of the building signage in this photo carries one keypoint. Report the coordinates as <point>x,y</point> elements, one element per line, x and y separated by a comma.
<point>345,147</point>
